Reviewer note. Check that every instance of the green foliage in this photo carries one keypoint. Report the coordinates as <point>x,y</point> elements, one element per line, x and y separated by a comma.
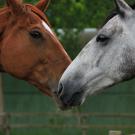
<point>79,14</point>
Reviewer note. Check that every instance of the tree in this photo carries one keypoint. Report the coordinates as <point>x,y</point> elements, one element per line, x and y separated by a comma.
<point>79,14</point>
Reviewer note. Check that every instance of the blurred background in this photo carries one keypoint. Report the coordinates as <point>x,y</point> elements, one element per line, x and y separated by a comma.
<point>26,111</point>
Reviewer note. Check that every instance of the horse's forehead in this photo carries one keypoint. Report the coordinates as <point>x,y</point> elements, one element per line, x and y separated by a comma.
<point>113,25</point>
<point>113,22</point>
<point>43,20</point>
<point>47,28</point>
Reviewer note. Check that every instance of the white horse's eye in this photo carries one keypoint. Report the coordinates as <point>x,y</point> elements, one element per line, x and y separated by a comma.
<point>102,38</point>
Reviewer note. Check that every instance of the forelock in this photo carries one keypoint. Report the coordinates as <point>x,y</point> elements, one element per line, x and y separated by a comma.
<point>114,13</point>
<point>37,12</point>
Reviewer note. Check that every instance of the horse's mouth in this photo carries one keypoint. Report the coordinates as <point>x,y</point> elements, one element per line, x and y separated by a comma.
<point>49,89</point>
<point>59,103</point>
<point>76,100</point>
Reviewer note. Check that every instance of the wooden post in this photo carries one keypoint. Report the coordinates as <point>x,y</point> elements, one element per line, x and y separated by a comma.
<point>114,132</point>
<point>1,101</point>
<point>81,121</point>
<point>6,125</point>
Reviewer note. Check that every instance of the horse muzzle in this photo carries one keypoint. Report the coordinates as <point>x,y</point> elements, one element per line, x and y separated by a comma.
<point>68,96</point>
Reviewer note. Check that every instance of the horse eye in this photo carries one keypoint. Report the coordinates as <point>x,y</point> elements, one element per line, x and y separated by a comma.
<point>36,34</point>
<point>102,38</point>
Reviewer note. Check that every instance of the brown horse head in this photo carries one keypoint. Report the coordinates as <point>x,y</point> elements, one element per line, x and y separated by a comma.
<point>29,50</point>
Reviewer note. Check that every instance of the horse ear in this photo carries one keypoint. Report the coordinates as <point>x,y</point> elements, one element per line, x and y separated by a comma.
<point>16,6</point>
<point>123,8</point>
<point>43,5</point>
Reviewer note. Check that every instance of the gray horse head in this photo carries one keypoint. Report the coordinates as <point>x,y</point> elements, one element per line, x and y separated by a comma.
<point>109,58</point>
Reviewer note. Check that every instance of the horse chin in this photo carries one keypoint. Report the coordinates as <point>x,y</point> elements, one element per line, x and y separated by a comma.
<point>76,100</point>
<point>46,91</point>
<point>59,103</point>
<point>50,91</point>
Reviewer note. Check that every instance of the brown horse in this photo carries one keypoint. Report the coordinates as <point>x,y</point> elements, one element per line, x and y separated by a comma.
<point>29,50</point>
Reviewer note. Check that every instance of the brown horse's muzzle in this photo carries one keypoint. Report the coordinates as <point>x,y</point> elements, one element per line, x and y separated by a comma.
<point>45,76</point>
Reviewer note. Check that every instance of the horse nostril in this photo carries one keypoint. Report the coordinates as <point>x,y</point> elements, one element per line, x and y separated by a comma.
<point>60,89</point>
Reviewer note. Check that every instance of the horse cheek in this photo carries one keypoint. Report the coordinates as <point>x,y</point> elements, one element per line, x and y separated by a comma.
<point>19,61</point>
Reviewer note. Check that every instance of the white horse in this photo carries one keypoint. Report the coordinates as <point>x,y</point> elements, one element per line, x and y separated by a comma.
<point>108,59</point>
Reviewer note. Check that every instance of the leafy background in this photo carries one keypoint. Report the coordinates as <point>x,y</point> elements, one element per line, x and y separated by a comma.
<point>80,14</point>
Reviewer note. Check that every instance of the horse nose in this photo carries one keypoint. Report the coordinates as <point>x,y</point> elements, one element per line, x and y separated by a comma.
<point>63,93</point>
<point>67,96</point>
<point>60,89</point>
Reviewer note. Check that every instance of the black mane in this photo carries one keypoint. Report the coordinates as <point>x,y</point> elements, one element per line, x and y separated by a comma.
<point>114,13</point>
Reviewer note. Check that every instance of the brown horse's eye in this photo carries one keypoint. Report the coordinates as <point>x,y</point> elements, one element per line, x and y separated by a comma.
<point>36,34</point>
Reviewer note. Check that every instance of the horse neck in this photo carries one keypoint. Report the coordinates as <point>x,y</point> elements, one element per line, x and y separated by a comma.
<point>4,19</point>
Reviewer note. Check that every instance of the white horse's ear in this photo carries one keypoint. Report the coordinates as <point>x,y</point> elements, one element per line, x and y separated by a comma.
<point>123,8</point>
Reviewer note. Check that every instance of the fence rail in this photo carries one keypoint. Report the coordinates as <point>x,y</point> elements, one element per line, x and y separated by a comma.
<point>114,115</point>
<point>73,126</point>
<point>81,124</point>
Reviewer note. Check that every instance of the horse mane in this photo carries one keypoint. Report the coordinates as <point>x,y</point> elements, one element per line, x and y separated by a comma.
<point>114,13</point>
<point>37,12</point>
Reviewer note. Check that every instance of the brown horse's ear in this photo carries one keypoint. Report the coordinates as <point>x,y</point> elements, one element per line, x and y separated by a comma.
<point>16,6</point>
<point>43,5</point>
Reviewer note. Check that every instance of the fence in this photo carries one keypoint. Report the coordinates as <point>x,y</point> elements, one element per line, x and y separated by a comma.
<point>81,123</point>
